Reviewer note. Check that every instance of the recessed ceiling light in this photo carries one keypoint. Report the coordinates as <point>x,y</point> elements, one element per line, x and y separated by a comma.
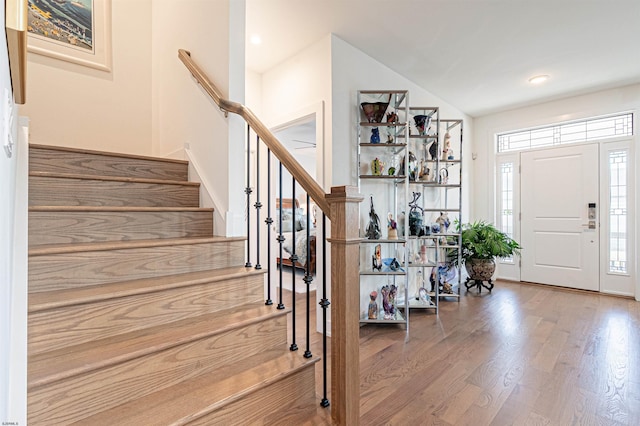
<point>538,79</point>
<point>256,39</point>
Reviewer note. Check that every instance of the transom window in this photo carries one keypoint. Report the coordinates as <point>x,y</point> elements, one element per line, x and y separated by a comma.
<point>596,128</point>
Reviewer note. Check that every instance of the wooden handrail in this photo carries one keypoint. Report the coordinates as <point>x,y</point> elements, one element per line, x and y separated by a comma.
<point>309,184</point>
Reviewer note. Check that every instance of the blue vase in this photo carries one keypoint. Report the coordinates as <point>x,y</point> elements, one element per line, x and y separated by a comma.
<point>375,135</point>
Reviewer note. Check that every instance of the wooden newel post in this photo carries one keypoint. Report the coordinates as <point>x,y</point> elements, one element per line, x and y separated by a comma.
<point>345,305</point>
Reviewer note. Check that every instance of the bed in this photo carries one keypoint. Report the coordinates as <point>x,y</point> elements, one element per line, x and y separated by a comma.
<point>291,207</point>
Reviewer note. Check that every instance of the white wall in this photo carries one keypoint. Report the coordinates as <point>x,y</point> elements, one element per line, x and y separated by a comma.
<point>297,85</point>
<point>13,259</point>
<point>213,31</point>
<point>76,106</point>
<point>599,103</point>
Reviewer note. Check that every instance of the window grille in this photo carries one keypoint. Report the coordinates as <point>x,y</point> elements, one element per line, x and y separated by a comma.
<point>618,262</point>
<point>506,202</point>
<point>569,132</point>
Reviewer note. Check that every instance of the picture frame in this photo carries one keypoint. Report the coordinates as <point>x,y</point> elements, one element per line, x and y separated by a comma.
<point>77,31</point>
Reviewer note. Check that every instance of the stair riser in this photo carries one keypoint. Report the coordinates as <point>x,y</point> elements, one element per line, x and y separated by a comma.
<point>55,161</point>
<point>56,328</point>
<point>55,227</point>
<point>54,191</point>
<point>73,399</point>
<point>71,270</point>
<point>289,401</point>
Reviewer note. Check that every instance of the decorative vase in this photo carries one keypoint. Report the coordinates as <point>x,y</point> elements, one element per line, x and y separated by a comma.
<point>415,223</point>
<point>433,151</point>
<point>480,269</point>
<point>413,167</point>
<point>375,135</point>
<point>373,231</point>
<point>373,305</point>
<point>411,171</point>
<point>377,167</point>
<point>393,165</point>
<point>422,123</point>
<point>423,296</point>
<point>374,111</point>
<point>415,215</point>
<point>388,300</point>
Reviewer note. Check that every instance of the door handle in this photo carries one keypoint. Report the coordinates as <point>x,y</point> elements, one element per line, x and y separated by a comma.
<point>590,225</point>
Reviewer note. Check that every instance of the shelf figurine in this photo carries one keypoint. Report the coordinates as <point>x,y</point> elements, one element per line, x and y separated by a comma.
<point>423,254</point>
<point>373,305</point>
<point>376,258</point>
<point>392,227</point>
<point>424,170</point>
<point>443,176</point>
<point>444,222</point>
<point>373,228</point>
<point>447,152</point>
<point>392,117</point>
<point>423,296</point>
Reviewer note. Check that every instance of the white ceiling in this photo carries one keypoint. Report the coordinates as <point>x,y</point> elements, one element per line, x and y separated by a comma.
<point>475,54</point>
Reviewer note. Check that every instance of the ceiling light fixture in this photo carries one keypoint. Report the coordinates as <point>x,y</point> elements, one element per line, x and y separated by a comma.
<point>255,39</point>
<point>538,79</point>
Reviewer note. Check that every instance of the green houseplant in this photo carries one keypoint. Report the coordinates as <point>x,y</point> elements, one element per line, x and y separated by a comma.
<point>482,242</point>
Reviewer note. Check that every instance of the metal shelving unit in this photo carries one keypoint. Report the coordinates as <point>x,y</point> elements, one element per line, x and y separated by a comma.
<point>441,202</point>
<point>387,185</point>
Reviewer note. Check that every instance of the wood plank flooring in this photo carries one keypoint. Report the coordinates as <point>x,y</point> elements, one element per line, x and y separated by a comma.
<point>523,355</point>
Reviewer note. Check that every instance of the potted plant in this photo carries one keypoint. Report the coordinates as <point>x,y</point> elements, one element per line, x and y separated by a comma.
<point>482,242</point>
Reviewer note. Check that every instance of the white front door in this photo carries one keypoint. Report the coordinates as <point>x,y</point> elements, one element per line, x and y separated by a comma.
<point>559,238</point>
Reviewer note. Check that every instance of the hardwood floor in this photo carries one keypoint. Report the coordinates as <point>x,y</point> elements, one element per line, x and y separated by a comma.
<point>523,355</point>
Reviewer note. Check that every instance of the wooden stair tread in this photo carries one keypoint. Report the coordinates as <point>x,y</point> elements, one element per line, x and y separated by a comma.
<point>106,153</point>
<point>49,367</point>
<point>110,178</point>
<point>187,401</point>
<point>59,298</point>
<point>123,245</point>
<point>116,209</point>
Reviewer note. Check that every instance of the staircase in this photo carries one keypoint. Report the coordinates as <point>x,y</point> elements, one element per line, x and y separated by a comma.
<point>138,315</point>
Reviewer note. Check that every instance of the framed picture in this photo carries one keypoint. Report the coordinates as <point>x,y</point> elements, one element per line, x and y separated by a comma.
<point>77,31</point>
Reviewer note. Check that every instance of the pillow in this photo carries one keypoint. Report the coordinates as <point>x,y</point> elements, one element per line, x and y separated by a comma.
<point>301,220</point>
<point>287,215</point>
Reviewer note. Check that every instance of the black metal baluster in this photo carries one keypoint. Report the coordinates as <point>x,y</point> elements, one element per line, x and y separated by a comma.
<point>269,222</point>
<point>294,259</point>
<point>308,278</point>
<point>258,204</point>
<point>248,191</point>
<point>280,237</point>
<point>324,302</point>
